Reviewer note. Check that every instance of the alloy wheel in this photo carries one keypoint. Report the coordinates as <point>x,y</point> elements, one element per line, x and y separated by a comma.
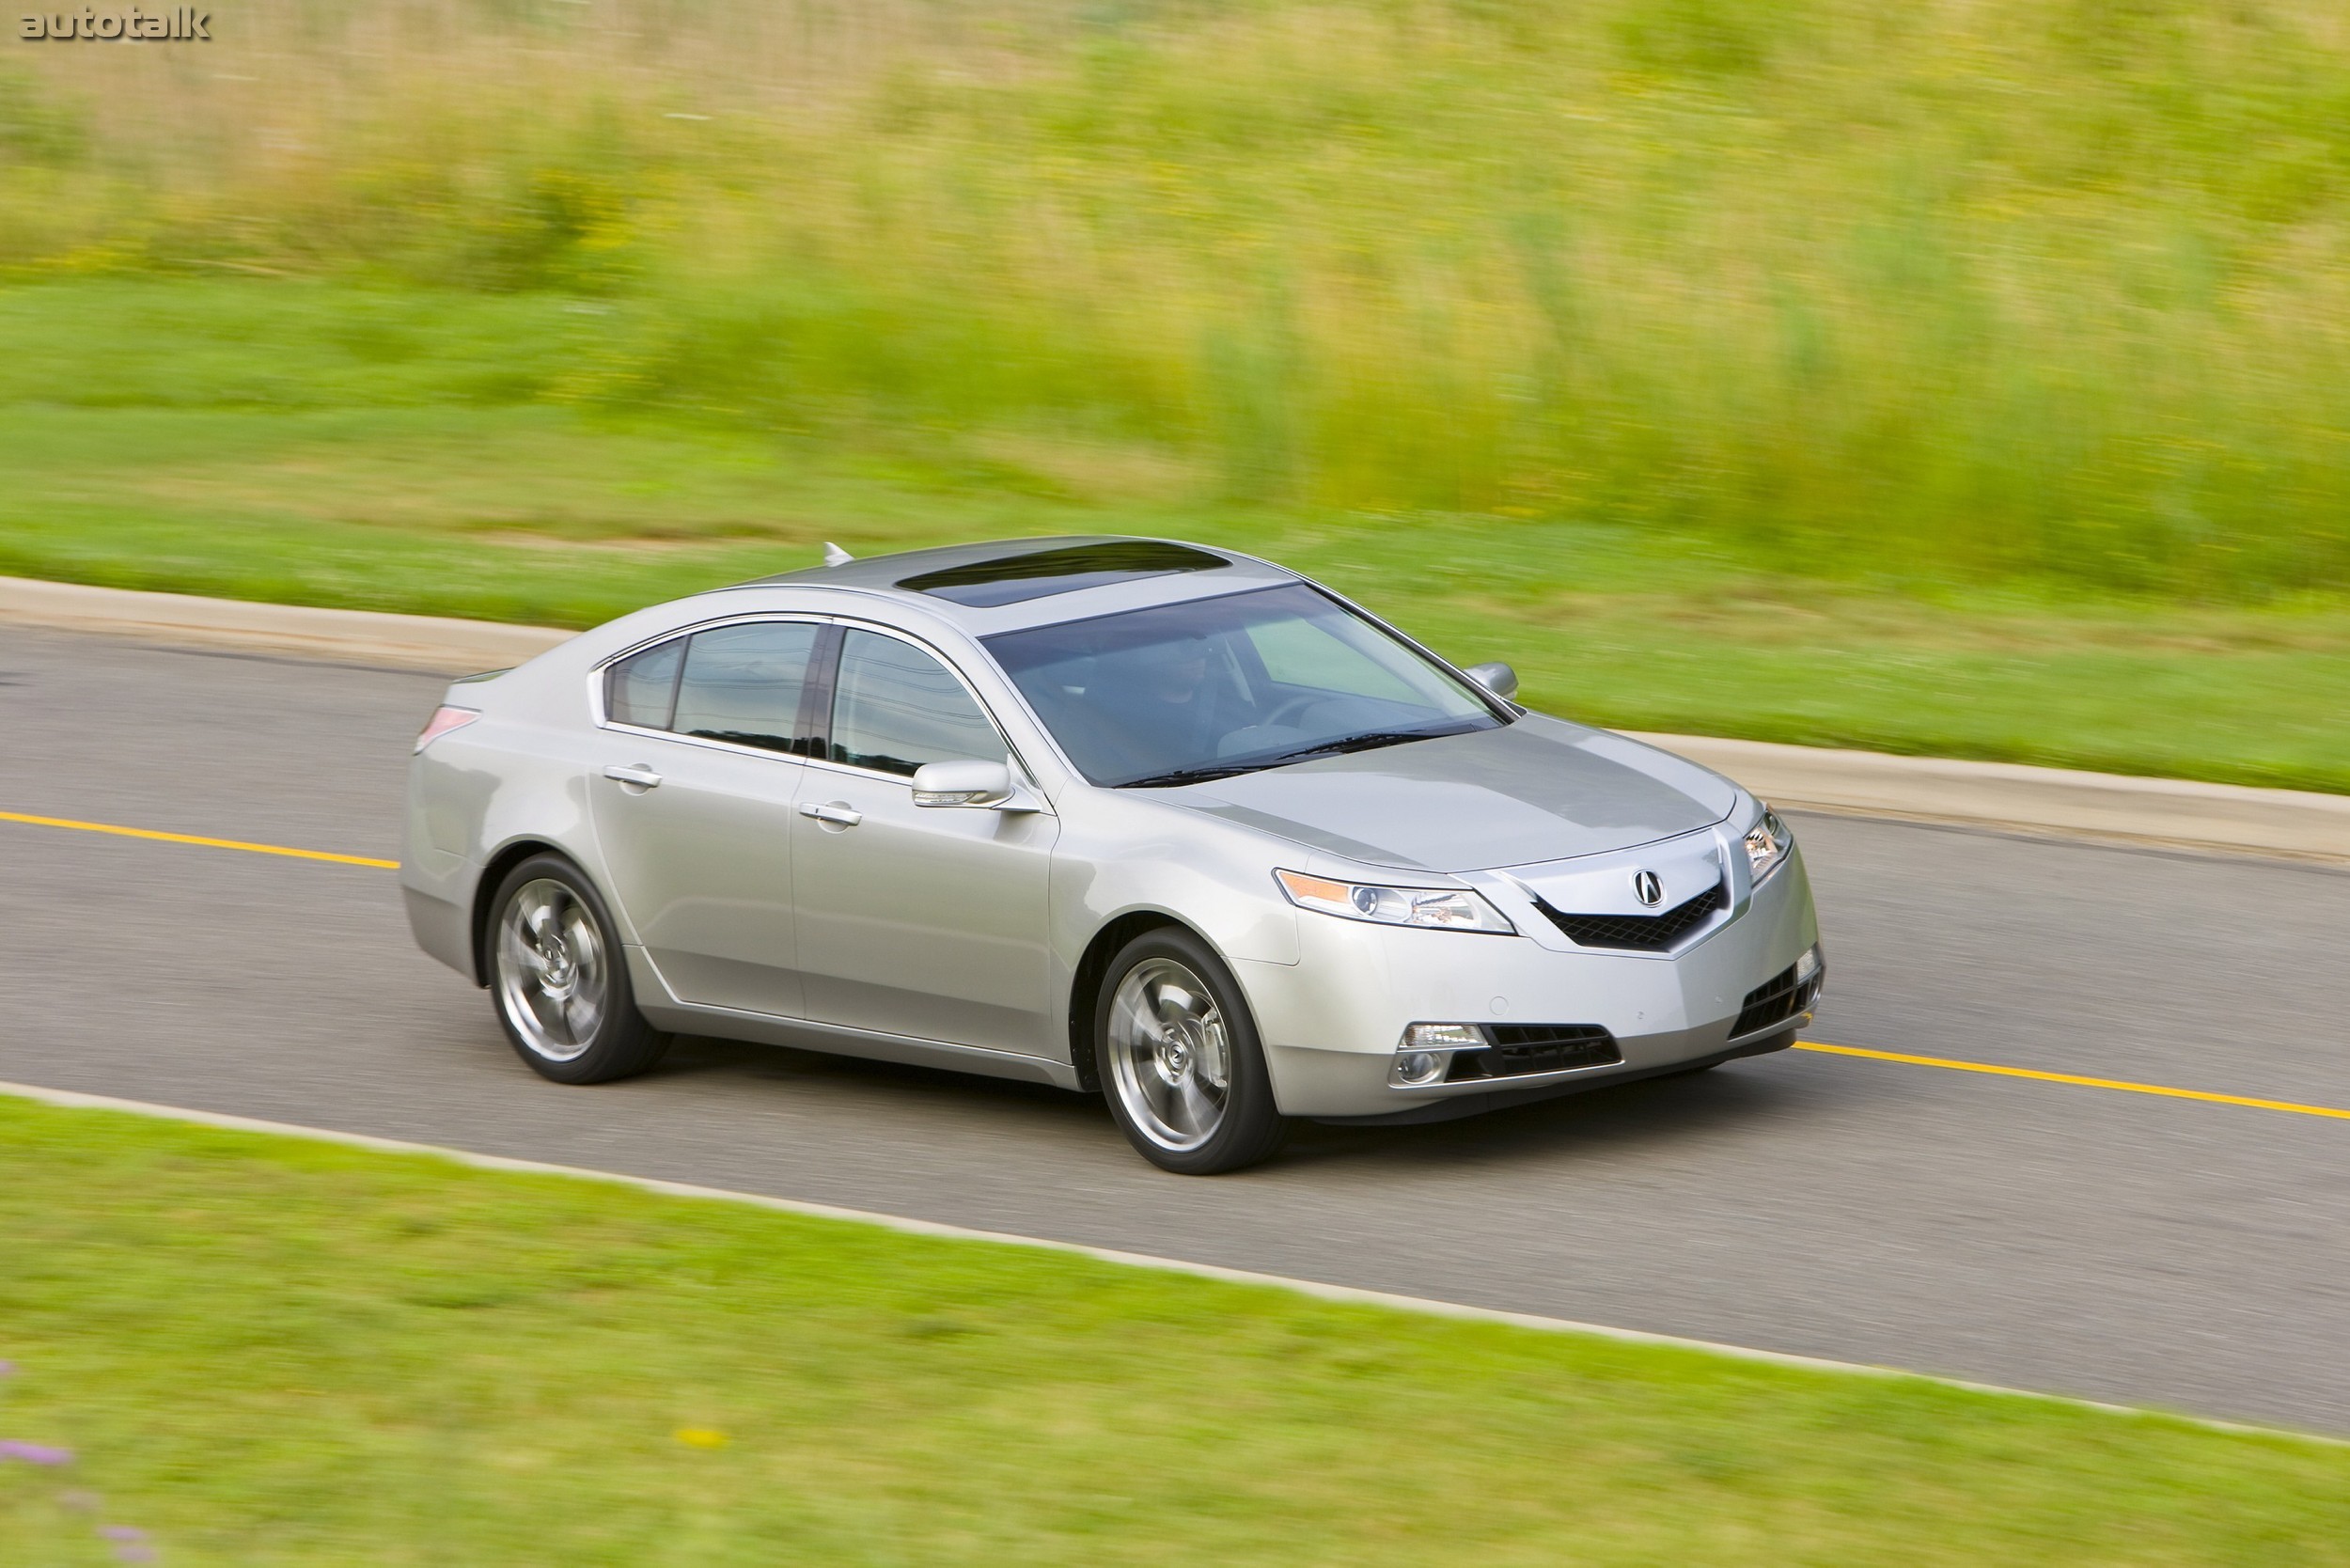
<point>552,969</point>
<point>1171,1054</point>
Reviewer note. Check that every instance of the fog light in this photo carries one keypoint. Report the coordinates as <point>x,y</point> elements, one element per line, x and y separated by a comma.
<point>1424,1055</point>
<point>1416,1068</point>
<point>1808,965</point>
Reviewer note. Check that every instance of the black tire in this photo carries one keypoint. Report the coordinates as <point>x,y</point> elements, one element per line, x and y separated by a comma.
<point>1155,1075</point>
<point>563,995</point>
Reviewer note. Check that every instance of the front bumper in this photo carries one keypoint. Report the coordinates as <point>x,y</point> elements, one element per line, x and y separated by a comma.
<point>1330,1024</point>
<point>1552,1086</point>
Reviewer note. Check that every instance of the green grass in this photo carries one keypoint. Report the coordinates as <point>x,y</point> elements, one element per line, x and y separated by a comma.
<point>266,1351</point>
<point>2057,289</point>
<point>1968,377</point>
<point>415,450</point>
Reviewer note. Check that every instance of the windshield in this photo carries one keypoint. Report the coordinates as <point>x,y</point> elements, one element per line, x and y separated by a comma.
<point>1210,687</point>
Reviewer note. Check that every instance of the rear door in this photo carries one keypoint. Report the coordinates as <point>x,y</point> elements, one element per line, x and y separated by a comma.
<point>917,920</point>
<point>693,807</point>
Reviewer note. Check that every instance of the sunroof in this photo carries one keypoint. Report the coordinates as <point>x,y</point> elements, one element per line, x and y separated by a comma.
<point>1011,579</point>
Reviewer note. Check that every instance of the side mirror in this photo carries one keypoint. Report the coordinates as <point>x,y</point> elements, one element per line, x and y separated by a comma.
<point>961,784</point>
<point>1497,677</point>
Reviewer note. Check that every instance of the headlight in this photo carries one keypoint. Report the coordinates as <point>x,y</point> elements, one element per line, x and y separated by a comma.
<point>1445,908</point>
<point>1767,843</point>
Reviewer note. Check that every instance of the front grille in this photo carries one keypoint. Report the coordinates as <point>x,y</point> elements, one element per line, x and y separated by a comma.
<point>1777,999</point>
<point>1648,933</point>
<point>1518,1049</point>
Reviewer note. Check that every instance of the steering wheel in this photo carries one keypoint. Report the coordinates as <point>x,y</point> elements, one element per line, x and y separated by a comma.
<point>1287,711</point>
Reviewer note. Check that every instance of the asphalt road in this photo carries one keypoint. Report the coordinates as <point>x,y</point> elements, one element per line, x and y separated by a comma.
<point>2074,1240</point>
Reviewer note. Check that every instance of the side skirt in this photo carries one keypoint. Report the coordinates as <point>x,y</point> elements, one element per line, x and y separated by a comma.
<point>761,1028</point>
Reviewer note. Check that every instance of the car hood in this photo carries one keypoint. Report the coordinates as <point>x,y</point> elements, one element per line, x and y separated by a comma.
<point>1537,790</point>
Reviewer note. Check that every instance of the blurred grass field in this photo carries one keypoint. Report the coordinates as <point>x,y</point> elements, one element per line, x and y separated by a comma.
<point>264,1351</point>
<point>393,449</point>
<point>1964,377</point>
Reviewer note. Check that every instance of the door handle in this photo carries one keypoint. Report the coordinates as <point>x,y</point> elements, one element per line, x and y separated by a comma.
<point>636,774</point>
<point>835,814</point>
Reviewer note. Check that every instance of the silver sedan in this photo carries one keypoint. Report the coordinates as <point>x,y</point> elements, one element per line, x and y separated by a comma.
<point>1160,821</point>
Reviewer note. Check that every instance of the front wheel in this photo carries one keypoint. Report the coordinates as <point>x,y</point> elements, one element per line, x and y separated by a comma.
<point>559,980</point>
<point>1179,1059</point>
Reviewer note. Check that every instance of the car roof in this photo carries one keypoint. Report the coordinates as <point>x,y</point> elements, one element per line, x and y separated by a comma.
<point>1005,585</point>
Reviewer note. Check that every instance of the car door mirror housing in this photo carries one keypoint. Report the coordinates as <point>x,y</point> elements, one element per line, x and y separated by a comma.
<point>1497,677</point>
<point>964,783</point>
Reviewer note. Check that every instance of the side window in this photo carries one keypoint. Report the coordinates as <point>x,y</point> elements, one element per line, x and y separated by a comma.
<point>744,683</point>
<point>896,708</point>
<point>641,688</point>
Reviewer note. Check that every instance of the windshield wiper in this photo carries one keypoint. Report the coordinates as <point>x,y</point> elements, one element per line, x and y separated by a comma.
<point>1369,741</point>
<point>1190,776</point>
<point>1364,741</point>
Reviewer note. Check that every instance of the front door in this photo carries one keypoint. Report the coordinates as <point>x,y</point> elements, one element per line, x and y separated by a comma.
<point>926,922</point>
<point>693,808</point>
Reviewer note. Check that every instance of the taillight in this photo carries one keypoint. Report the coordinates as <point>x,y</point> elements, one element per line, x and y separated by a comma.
<point>445,719</point>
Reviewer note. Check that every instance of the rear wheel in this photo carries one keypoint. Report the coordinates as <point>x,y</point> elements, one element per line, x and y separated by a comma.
<point>559,980</point>
<point>1180,1060</point>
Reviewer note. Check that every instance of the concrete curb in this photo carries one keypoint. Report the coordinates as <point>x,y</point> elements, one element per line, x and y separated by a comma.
<point>347,636</point>
<point>2167,812</point>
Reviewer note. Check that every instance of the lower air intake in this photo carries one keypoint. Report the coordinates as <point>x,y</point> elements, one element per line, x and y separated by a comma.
<point>1777,999</point>
<point>1518,1049</point>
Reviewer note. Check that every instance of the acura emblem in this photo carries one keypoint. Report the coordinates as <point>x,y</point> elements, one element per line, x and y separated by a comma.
<point>1647,889</point>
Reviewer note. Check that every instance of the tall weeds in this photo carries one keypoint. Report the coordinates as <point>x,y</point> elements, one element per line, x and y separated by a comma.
<point>2044,287</point>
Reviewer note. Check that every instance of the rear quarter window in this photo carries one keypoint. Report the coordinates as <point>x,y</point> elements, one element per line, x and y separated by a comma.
<point>641,689</point>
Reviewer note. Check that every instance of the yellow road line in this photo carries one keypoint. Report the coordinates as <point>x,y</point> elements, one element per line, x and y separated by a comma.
<point>193,839</point>
<point>2122,1084</point>
<point>1950,1063</point>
